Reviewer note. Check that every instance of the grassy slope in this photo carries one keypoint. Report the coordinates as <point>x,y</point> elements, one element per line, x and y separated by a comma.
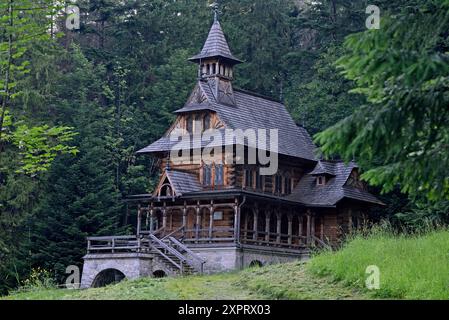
<point>289,281</point>
<point>411,267</point>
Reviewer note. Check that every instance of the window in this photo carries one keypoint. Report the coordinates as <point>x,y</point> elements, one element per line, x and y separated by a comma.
<point>218,215</point>
<point>189,124</point>
<point>278,184</point>
<point>219,175</point>
<point>207,175</point>
<point>197,124</point>
<point>321,181</point>
<point>206,122</point>
<point>287,185</point>
<point>248,178</point>
<point>259,180</point>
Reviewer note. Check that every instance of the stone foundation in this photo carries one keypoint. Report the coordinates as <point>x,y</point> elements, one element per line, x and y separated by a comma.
<point>132,265</point>
<point>222,259</point>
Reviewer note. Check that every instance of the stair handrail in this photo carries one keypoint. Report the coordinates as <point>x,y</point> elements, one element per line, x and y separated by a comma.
<point>322,243</point>
<point>179,266</point>
<point>172,233</point>
<point>168,248</point>
<point>190,252</point>
<point>186,249</point>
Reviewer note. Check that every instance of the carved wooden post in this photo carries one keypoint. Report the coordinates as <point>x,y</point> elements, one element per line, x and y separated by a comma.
<point>312,228</point>
<point>151,218</point>
<point>245,234</point>
<point>139,213</point>
<point>278,227</point>
<point>322,228</point>
<point>290,229</point>
<point>267,225</point>
<point>164,217</point>
<point>184,219</point>
<point>198,221</point>
<point>211,219</point>
<point>255,223</point>
<point>236,221</point>
<point>300,219</point>
<point>308,227</point>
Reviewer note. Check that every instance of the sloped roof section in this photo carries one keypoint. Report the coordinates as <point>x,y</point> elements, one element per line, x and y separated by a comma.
<point>183,182</point>
<point>216,46</point>
<point>251,112</point>
<point>255,112</point>
<point>324,168</point>
<point>335,189</point>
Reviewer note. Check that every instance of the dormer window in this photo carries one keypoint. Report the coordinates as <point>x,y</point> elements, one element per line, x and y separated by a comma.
<point>320,180</point>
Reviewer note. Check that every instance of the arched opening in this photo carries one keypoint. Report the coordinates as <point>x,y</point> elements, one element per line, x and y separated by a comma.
<point>247,223</point>
<point>157,220</point>
<point>295,229</point>
<point>284,228</point>
<point>191,220</point>
<point>159,274</point>
<point>261,225</point>
<point>255,264</point>
<point>205,222</point>
<point>273,226</point>
<point>107,277</point>
<point>166,191</point>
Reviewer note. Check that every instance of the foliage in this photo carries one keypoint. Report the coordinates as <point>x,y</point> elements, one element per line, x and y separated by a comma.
<point>401,135</point>
<point>39,279</point>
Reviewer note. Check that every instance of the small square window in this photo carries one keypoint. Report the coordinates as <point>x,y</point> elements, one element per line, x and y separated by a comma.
<point>218,215</point>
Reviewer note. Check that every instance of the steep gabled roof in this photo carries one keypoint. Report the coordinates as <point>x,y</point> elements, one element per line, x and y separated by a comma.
<point>335,189</point>
<point>250,112</point>
<point>216,46</point>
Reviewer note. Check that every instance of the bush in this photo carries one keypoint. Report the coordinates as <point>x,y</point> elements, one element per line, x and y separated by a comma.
<point>37,280</point>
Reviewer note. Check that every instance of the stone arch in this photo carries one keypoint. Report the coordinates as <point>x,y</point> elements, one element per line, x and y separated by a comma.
<point>159,274</point>
<point>255,264</point>
<point>107,277</point>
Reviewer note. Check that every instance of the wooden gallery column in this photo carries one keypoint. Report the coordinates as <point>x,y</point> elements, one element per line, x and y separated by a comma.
<point>211,220</point>
<point>255,222</point>
<point>236,221</point>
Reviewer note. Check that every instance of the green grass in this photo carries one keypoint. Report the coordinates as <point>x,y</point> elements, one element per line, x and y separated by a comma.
<point>288,281</point>
<point>411,267</point>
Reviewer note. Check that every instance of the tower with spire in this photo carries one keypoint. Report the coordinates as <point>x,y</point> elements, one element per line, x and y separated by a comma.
<point>216,62</point>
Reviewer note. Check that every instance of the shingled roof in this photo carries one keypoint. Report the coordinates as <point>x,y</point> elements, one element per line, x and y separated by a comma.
<point>183,182</point>
<point>309,193</point>
<point>250,112</point>
<point>216,46</point>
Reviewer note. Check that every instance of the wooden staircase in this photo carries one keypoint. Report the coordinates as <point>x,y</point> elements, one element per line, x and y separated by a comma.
<point>175,255</point>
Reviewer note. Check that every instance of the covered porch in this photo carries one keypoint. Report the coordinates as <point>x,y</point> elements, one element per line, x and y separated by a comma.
<point>239,219</point>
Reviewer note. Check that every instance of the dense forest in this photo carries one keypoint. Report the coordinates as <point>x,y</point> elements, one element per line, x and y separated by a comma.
<point>77,104</point>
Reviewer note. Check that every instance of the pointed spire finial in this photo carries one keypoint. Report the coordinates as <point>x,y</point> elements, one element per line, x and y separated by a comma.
<point>216,8</point>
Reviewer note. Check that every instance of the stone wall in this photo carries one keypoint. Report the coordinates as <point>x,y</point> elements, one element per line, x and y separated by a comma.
<point>132,265</point>
<point>222,259</point>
